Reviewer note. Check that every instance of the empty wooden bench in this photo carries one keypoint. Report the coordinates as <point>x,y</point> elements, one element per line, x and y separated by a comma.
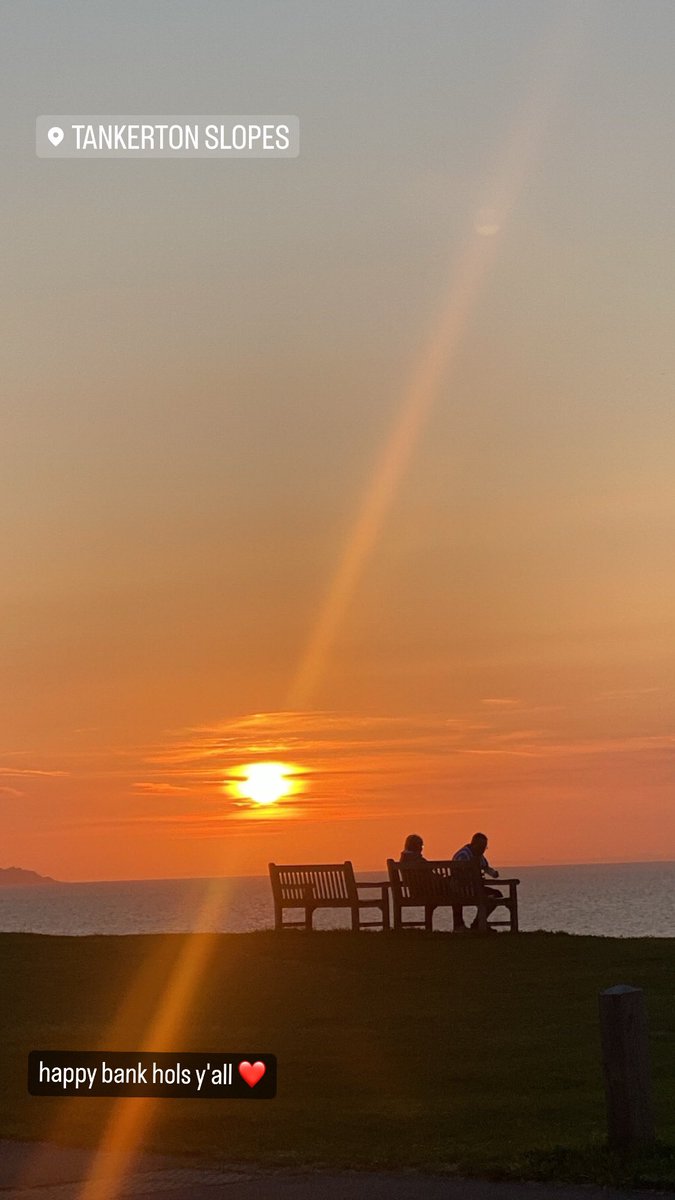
<point>310,886</point>
<point>445,883</point>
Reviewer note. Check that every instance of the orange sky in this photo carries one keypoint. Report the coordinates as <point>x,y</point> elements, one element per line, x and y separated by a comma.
<point>548,782</point>
<point>360,461</point>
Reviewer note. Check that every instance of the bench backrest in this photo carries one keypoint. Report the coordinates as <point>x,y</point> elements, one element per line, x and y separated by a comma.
<point>434,882</point>
<point>317,881</point>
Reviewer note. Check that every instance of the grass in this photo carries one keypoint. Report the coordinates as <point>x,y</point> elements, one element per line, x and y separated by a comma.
<point>467,1055</point>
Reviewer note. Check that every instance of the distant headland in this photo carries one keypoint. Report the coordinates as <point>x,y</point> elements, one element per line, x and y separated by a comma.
<point>18,877</point>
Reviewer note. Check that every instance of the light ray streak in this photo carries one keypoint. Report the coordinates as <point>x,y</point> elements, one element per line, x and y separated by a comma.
<point>131,1117</point>
<point>432,369</point>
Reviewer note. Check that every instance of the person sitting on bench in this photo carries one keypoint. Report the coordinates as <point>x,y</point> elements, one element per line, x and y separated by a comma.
<point>474,851</point>
<point>411,855</point>
<point>414,861</point>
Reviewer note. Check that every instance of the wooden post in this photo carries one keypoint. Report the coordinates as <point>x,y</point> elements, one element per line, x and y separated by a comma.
<point>625,1060</point>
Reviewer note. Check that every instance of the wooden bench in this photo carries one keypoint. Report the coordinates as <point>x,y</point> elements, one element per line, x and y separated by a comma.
<point>445,883</point>
<point>310,886</point>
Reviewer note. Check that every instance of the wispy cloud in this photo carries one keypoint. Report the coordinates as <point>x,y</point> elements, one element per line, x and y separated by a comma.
<point>353,766</point>
<point>349,765</point>
<point>150,788</point>
<point>27,772</point>
<point>631,693</point>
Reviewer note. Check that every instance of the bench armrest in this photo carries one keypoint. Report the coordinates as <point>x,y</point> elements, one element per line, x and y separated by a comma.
<point>381,888</point>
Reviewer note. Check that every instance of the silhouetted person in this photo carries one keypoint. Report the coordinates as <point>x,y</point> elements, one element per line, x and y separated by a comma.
<point>411,855</point>
<point>411,858</point>
<point>474,851</point>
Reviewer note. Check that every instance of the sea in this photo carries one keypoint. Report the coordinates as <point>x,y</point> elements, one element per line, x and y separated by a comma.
<point>605,900</point>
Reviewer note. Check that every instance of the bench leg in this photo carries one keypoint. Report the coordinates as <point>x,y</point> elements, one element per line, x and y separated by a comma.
<point>428,918</point>
<point>309,916</point>
<point>514,909</point>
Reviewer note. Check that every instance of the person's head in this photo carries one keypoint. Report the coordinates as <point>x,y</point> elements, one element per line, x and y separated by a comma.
<point>414,842</point>
<point>479,843</point>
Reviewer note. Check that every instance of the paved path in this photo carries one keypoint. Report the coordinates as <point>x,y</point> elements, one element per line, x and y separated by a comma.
<point>36,1171</point>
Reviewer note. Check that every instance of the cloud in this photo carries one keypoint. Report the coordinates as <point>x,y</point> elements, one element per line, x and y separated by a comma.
<point>27,772</point>
<point>359,767</point>
<point>150,788</point>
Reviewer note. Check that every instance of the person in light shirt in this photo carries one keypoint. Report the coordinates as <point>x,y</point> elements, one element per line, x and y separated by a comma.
<point>474,851</point>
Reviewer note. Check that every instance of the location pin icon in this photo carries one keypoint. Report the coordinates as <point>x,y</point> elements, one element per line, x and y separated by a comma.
<point>55,135</point>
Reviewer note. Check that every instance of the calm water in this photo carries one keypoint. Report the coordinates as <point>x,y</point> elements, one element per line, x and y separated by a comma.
<point>627,900</point>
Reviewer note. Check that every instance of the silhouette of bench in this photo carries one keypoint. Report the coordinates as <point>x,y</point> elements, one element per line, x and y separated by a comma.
<point>445,883</point>
<point>310,886</point>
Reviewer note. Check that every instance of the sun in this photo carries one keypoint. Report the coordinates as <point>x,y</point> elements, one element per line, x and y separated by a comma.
<point>265,782</point>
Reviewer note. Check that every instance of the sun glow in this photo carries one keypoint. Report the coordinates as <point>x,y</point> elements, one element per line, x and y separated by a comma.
<point>266,782</point>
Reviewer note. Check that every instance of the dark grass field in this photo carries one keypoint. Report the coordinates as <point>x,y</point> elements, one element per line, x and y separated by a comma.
<point>469,1055</point>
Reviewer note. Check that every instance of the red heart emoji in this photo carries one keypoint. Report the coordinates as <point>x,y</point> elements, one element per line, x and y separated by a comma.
<point>252,1073</point>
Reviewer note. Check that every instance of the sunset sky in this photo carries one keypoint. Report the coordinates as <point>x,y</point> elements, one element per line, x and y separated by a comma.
<point>360,462</point>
